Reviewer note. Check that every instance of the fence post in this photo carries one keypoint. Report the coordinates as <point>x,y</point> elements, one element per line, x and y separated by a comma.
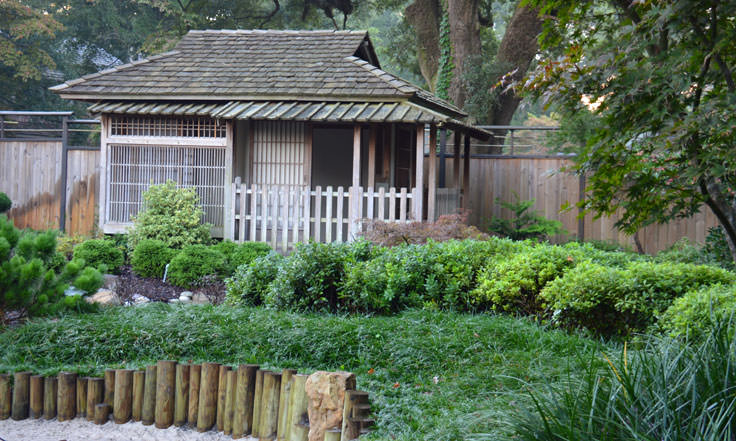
<point>64,165</point>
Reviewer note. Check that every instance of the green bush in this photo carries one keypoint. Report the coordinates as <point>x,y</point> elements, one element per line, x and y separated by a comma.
<point>5,203</point>
<point>242,254</point>
<point>193,263</point>
<point>696,313</point>
<point>172,215</point>
<point>251,281</point>
<point>526,222</point>
<point>98,252</point>
<point>150,257</point>
<point>716,249</point>
<point>613,301</point>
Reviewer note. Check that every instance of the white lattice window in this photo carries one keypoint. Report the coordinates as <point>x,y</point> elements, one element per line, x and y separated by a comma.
<point>156,126</point>
<point>278,153</point>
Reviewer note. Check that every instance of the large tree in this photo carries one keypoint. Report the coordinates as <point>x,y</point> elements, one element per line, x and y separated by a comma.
<point>658,76</point>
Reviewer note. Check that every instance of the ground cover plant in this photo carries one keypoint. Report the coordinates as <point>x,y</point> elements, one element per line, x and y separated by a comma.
<point>430,374</point>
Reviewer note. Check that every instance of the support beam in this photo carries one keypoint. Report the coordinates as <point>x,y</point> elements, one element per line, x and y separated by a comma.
<point>229,220</point>
<point>419,178</point>
<point>392,160</point>
<point>466,173</point>
<point>443,150</point>
<point>432,175</point>
<point>104,172</point>
<point>456,160</point>
<point>372,157</point>
<point>355,202</point>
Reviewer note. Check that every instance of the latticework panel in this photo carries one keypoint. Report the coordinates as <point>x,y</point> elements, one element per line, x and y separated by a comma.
<point>182,127</point>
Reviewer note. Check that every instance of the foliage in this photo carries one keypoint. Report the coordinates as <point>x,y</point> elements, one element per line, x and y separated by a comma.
<point>665,391</point>
<point>172,215</point>
<point>251,281</point>
<point>446,227</point>
<point>616,301</point>
<point>33,276</point>
<point>426,371</point>
<point>716,249</point>
<point>714,252</point>
<point>150,257</point>
<point>446,64</point>
<point>696,313</point>
<point>239,255</point>
<point>65,243</point>
<point>100,253</point>
<point>193,263</point>
<point>525,223</point>
<point>658,76</point>
<point>5,203</point>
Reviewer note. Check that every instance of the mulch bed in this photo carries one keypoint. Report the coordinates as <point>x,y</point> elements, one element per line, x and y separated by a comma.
<point>156,290</point>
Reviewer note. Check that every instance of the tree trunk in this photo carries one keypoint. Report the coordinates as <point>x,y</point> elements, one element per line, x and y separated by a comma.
<point>465,40</point>
<point>424,17</point>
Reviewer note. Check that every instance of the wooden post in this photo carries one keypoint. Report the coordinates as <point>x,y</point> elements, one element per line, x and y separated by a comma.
<point>258,394</point>
<point>355,202</point>
<point>139,381</point>
<point>148,413</point>
<point>6,396</point>
<point>109,387</point>
<point>181,399</point>
<point>372,157</point>
<point>207,396</point>
<point>333,435</point>
<point>50,391</point>
<point>165,383</point>
<point>21,395</point>
<point>443,151</point>
<point>95,395</point>
<point>102,413</point>
<point>418,200</point>
<point>232,381</point>
<point>456,159</point>
<point>66,407</point>
<point>195,371</point>
<point>286,376</point>
<point>432,175</point>
<point>466,173</point>
<point>269,423</point>
<point>297,418</point>
<point>82,396</point>
<point>36,396</point>
<point>243,414</point>
<point>229,209</point>
<point>350,425</point>
<point>123,401</point>
<point>221,397</point>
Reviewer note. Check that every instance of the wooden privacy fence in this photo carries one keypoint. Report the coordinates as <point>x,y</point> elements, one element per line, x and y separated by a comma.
<point>237,401</point>
<point>286,215</point>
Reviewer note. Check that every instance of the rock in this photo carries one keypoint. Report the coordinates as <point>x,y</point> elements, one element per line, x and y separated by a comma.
<point>185,299</point>
<point>186,294</point>
<point>104,297</point>
<point>110,281</point>
<point>175,301</point>
<point>200,299</point>
<point>326,392</point>
<point>139,299</point>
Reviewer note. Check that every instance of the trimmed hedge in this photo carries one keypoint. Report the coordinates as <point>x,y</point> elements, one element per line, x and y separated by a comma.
<point>99,252</point>
<point>193,263</point>
<point>698,311</point>
<point>150,257</point>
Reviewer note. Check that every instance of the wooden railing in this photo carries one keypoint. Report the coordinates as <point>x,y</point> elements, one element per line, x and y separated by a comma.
<point>286,215</point>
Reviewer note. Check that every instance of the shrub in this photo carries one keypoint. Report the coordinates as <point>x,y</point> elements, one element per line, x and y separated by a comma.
<point>243,254</point>
<point>65,244</point>
<point>447,227</point>
<point>5,203</point>
<point>193,263</point>
<point>682,251</point>
<point>696,313</point>
<point>613,301</point>
<point>716,249</point>
<point>150,257</point>
<point>251,281</point>
<point>170,214</point>
<point>98,252</point>
<point>525,223</point>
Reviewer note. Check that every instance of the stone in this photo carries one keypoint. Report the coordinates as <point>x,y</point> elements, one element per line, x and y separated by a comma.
<point>326,393</point>
<point>140,299</point>
<point>104,297</point>
<point>110,281</point>
<point>200,299</point>
<point>186,294</point>
<point>175,301</point>
<point>185,299</point>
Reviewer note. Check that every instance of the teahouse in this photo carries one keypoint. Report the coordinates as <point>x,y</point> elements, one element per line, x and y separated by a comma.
<point>286,135</point>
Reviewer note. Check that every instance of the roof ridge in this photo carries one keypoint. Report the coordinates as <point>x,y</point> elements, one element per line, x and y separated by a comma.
<point>278,31</point>
<point>117,68</point>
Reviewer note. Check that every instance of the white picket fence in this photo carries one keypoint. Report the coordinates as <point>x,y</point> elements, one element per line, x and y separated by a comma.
<point>285,215</point>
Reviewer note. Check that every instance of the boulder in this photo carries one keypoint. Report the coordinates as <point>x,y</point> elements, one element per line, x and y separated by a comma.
<point>104,297</point>
<point>110,281</point>
<point>138,299</point>
<point>200,299</point>
<point>326,393</point>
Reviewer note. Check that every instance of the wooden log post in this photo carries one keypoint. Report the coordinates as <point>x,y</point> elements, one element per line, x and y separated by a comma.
<point>350,425</point>
<point>243,413</point>
<point>123,401</point>
<point>355,214</point>
<point>102,413</point>
<point>95,395</point>
<point>257,395</point>
<point>21,396</point>
<point>230,401</point>
<point>109,387</point>
<point>165,393</point>
<point>222,396</point>
<point>36,396</point>
<point>195,372</point>
<point>50,390</point>
<point>148,413</point>
<point>181,395</point>
<point>269,423</point>
<point>6,396</point>
<point>66,406</point>
<point>139,382</point>
<point>297,417</point>
<point>207,413</point>
<point>286,376</point>
<point>333,435</point>
<point>82,396</point>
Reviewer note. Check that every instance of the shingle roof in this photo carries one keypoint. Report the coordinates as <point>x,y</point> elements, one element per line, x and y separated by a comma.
<point>255,65</point>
